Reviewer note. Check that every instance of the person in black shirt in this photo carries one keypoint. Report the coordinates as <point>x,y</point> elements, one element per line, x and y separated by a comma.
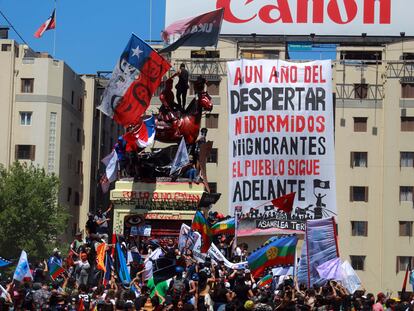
<point>182,86</point>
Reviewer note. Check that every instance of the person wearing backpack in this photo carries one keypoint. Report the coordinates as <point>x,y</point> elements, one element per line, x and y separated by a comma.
<point>178,286</point>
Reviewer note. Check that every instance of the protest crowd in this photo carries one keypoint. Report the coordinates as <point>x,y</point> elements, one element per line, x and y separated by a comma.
<point>157,275</point>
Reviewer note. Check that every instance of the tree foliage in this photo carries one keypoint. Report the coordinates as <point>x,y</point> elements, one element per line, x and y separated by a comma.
<point>30,216</point>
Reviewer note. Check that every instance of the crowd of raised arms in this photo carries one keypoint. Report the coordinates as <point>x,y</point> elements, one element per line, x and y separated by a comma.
<point>207,286</point>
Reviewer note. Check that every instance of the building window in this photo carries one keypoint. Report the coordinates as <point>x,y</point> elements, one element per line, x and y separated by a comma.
<point>6,47</point>
<point>78,135</point>
<point>77,198</point>
<point>407,90</point>
<point>52,142</point>
<point>213,187</point>
<point>358,194</point>
<point>213,87</point>
<point>357,262</point>
<point>359,159</point>
<point>403,262</point>
<point>406,228</point>
<point>80,108</point>
<point>203,53</point>
<point>212,120</point>
<point>406,194</point>
<point>69,194</point>
<point>69,161</point>
<point>212,158</point>
<point>361,90</point>
<point>25,118</point>
<point>359,228</point>
<point>79,169</point>
<point>72,98</point>
<point>407,124</point>
<point>360,124</point>
<point>25,152</point>
<point>27,85</point>
<point>260,54</point>
<point>407,159</point>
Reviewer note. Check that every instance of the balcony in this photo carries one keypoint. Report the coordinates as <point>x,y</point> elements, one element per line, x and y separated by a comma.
<point>351,92</point>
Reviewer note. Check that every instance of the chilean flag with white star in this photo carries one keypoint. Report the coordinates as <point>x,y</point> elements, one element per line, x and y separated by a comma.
<point>134,80</point>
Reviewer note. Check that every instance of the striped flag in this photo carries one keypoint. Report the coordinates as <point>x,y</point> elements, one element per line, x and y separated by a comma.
<point>201,225</point>
<point>55,270</point>
<point>281,251</point>
<point>49,24</point>
<point>224,227</point>
<point>266,280</point>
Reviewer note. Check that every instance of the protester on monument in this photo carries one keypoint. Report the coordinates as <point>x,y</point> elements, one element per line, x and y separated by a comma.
<point>102,220</point>
<point>182,86</point>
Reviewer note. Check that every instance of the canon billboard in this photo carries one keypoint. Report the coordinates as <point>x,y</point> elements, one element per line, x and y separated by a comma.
<point>303,17</point>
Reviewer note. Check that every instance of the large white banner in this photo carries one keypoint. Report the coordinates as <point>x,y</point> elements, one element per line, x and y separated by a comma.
<point>281,140</point>
<point>302,17</point>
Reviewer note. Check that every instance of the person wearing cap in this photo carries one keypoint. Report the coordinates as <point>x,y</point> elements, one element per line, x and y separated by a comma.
<point>182,86</point>
<point>379,306</point>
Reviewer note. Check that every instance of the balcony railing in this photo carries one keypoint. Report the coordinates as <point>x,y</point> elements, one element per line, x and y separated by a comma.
<point>402,69</point>
<point>351,91</point>
<point>204,66</point>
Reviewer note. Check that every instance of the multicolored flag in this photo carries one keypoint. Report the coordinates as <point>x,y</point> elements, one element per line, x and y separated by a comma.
<point>202,30</point>
<point>146,133</point>
<point>55,271</point>
<point>285,203</point>
<point>224,227</point>
<point>266,280</point>
<point>108,268</point>
<point>280,251</point>
<point>201,225</point>
<point>134,80</point>
<point>111,170</point>
<point>49,24</point>
<point>22,269</point>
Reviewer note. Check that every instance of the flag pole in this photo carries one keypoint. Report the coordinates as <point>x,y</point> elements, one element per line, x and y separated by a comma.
<point>150,21</point>
<point>54,34</point>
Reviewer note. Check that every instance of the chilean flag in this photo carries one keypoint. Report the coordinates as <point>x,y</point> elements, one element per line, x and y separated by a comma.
<point>134,80</point>
<point>146,133</point>
<point>50,23</point>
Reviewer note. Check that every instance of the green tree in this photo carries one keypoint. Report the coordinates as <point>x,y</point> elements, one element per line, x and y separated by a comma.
<point>30,216</point>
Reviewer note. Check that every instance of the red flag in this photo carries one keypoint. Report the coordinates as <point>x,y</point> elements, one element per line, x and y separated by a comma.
<point>407,273</point>
<point>50,23</point>
<point>285,202</point>
<point>81,306</point>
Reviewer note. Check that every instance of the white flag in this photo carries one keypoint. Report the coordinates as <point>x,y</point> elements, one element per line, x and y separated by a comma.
<point>148,263</point>
<point>110,175</point>
<point>181,158</point>
<point>22,269</point>
<point>350,279</point>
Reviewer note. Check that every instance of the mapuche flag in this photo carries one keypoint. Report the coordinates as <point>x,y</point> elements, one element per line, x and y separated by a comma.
<point>55,270</point>
<point>50,23</point>
<point>227,226</point>
<point>202,30</point>
<point>134,80</point>
<point>280,251</point>
<point>201,225</point>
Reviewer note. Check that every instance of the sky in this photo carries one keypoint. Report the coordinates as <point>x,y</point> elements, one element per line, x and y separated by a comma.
<point>90,34</point>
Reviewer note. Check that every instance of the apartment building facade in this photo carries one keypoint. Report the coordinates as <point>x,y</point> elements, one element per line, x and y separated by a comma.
<point>50,119</point>
<point>374,132</point>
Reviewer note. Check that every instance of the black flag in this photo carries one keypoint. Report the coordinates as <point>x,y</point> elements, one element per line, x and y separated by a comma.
<point>202,30</point>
